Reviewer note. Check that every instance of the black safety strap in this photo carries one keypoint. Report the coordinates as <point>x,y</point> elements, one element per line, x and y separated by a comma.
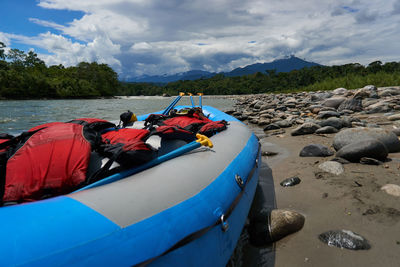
<point>201,232</point>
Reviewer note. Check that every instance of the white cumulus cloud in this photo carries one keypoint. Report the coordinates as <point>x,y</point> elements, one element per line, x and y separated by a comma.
<point>138,37</point>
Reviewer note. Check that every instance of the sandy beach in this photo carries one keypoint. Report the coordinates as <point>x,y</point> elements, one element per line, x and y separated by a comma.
<point>352,201</point>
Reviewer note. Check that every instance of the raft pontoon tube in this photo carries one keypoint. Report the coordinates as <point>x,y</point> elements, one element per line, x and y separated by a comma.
<point>187,211</point>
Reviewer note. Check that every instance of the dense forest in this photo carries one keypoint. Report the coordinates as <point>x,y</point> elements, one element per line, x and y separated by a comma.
<point>27,76</point>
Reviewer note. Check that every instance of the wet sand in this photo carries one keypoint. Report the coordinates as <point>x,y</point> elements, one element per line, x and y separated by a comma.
<point>351,201</point>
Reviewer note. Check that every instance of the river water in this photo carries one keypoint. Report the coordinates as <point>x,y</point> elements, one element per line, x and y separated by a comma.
<point>20,115</point>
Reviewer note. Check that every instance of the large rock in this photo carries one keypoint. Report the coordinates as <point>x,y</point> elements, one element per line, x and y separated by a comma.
<point>333,102</point>
<point>305,128</point>
<point>339,91</point>
<point>371,148</point>
<point>333,167</point>
<point>394,117</point>
<point>354,104</point>
<point>285,222</point>
<point>391,189</point>
<point>334,122</point>
<point>327,114</point>
<point>348,136</point>
<point>270,226</point>
<point>316,150</point>
<point>326,130</point>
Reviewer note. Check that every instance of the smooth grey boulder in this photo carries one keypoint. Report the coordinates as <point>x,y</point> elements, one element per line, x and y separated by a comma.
<point>320,96</point>
<point>305,128</point>
<point>370,148</point>
<point>334,122</point>
<point>333,167</point>
<point>269,226</point>
<point>339,91</point>
<point>326,130</point>
<point>344,239</point>
<point>285,222</point>
<point>327,114</point>
<point>394,117</point>
<point>348,136</point>
<point>315,150</point>
<point>333,102</point>
<point>271,126</point>
<point>354,104</point>
<point>392,189</point>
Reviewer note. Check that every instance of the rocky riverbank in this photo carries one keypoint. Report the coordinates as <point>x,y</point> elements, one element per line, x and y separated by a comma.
<point>342,147</point>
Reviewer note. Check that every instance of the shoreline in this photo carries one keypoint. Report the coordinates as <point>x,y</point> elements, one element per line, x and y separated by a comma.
<point>352,200</point>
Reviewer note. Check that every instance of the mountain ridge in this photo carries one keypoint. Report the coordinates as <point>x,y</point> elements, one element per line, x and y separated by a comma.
<point>280,65</point>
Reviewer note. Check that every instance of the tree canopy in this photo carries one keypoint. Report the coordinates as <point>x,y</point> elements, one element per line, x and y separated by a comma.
<point>24,75</point>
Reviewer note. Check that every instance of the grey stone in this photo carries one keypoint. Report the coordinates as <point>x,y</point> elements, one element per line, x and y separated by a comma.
<point>370,161</point>
<point>271,126</point>
<point>371,148</point>
<point>320,96</point>
<point>284,123</point>
<point>344,239</point>
<point>268,226</point>
<point>285,222</point>
<point>341,160</point>
<point>394,117</point>
<point>388,92</point>
<point>315,150</point>
<point>334,122</point>
<point>396,131</point>
<point>348,136</point>
<point>327,114</point>
<point>292,181</point>
<point>354,104</point>
<point>305,128</point>
<point>392,189</point>
<point>326,130</point>
<point>339,91</point>
<point>333,167</point>
<point>333,102</point>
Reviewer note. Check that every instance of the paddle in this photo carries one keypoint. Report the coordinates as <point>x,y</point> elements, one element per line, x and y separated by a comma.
<point>172,105</point>
<point>191,99</point>
<point>202,140</point>
<point>200,101</point>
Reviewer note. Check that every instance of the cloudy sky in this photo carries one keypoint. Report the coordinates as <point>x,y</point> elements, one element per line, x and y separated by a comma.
<point>153,37</point>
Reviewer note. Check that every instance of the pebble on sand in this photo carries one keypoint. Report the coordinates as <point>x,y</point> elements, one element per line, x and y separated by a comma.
<point>333,167</point>
<point>292,181</point>
<point>344,239</point>
<point>392,189</point>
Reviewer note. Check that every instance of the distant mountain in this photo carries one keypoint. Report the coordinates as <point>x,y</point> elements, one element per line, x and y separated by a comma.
<point>280,65</point>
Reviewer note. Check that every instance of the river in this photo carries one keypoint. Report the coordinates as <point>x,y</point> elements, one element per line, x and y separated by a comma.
<point>20,115</point>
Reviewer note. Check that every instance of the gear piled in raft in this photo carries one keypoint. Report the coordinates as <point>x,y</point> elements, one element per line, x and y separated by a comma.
<point>54,158</point>
<point>189,119</point>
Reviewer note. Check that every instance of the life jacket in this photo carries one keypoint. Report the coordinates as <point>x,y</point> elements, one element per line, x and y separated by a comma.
<point>127,146</point>
<point>48,160</point>
<point>192,120</point>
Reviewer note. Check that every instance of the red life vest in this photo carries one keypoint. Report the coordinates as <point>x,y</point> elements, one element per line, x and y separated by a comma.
<point>127,146</point>
<point>49,159</point>
<point>193,121</point>
<point>52,161</point>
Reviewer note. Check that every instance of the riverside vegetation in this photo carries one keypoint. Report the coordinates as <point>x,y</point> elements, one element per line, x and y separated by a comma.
<point>25,76</point>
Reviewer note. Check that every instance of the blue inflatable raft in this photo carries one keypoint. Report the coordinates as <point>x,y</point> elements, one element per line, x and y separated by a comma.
<point>187,211</point>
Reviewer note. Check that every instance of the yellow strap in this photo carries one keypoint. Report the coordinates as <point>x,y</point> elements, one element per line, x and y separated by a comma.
<point>204,140</point>
<point>200,94</point>
<point>133,118</point>
<point>181,93</point>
